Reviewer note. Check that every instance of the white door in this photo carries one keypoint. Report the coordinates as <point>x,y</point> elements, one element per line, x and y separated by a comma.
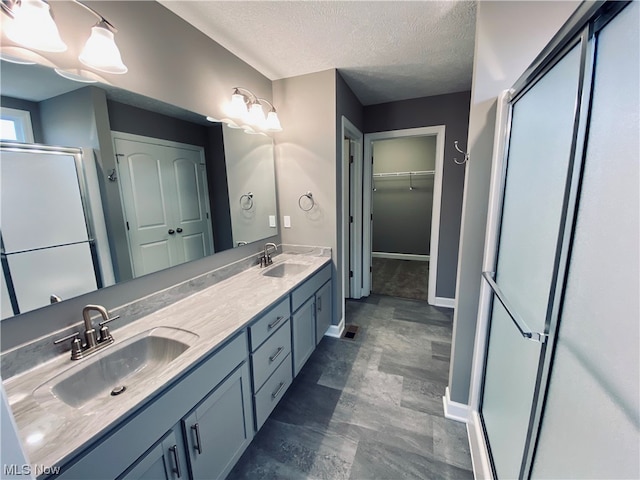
<point>165,201</point>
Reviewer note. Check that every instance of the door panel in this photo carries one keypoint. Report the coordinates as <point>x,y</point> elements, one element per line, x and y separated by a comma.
<point>165,200</point>
<point>192,246</point>
<point>220,429</point>
<point>153,256</point>
<point>533,212</point>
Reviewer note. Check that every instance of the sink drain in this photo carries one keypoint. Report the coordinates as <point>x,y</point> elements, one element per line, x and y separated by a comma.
<point>118,390</point>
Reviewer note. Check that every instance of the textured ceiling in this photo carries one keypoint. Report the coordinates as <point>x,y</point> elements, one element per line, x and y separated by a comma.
<point>385,50</point>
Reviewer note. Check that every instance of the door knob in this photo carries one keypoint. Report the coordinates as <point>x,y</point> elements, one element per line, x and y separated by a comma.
<point>171,231</point>
<point>179,230</point>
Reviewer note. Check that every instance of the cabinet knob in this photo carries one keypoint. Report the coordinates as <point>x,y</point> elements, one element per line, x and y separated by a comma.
<point>171,231</point>
<point>179,230</point>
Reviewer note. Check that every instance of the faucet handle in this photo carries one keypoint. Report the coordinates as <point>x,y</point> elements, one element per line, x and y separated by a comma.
<point>68,337</point>
<point>76,345</point>
<point>108,320</point>
<point>105,335</point>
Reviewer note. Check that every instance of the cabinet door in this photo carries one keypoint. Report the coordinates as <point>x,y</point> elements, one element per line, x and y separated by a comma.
<point>220,428</point>
<point>304,334</point>
<point>164,461</point>
<point>323,311</point>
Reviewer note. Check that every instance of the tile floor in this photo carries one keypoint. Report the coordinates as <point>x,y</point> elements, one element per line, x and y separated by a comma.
<point>368,408</point>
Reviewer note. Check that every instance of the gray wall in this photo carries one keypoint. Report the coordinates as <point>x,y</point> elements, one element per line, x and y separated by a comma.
<point>32,107</point>
<point>200,81</point>
<point>137,121</point>
<point>402,217</point>
<point>509,35</point>
<point>306,161</point>
<point>451,110</point>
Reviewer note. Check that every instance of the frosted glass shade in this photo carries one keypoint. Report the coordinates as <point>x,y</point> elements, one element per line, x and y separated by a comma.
<point>101,52</point>
<point>256,115</point>
<point>238,107</point>
<point>33,27</point>
<point>273,122</point>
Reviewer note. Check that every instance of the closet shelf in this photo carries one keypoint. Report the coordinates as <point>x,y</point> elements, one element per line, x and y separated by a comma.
<point>404,174</point>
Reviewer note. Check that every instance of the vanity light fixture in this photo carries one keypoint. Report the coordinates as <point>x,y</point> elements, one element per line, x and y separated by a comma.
<point>246,108</point>
<point>32,26</point>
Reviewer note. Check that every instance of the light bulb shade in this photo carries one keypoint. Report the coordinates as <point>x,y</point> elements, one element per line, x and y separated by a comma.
<point>101,52</point>
<point>238,107</point>
<point>256,115</point>
<point>33,27</point>
<point>273,122</point>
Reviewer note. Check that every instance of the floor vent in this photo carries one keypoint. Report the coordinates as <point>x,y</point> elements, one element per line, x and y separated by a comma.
<point>350,332</point>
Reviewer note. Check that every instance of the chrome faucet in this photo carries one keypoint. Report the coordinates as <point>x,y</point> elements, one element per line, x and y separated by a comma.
<point>265,259</point>
<point>93,341</point>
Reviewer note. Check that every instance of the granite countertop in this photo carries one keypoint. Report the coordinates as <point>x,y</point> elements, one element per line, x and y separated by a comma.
<point>51,431</point>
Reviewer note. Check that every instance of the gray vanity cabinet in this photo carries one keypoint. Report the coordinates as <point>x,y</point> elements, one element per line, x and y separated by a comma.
<point>311,303</point>
<point>304,334</point>
<point>164,461</point>
<point>220,428</point>
<point>323,311</point>
<point>270,359</point>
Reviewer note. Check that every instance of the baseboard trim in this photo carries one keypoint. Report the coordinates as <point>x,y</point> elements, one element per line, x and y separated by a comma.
<point>444,302</point>
<point>454,410</point>
<point>479,452</point>
<point>401,256</point>
<point>336,330</point>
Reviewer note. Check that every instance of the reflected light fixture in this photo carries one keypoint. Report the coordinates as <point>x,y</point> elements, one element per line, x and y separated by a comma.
<point>32,26</point>
<point>246,108</point>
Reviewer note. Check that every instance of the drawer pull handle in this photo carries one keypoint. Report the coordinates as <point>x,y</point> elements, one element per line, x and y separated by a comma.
<point>174,451</point>
<point>198,445</point>
<point>275,394</point>
<point>277,354</point>
<point>275,322</point>
<point>319,303</point>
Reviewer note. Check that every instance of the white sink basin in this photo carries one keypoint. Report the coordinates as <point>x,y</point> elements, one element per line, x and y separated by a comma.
<point>284,269</point>
<point>122,365</point>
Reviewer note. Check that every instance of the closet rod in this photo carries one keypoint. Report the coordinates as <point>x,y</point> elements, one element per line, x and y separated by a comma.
<point>404,174</point>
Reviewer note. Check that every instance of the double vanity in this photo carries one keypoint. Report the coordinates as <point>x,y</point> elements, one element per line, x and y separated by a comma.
<point>181,392</point>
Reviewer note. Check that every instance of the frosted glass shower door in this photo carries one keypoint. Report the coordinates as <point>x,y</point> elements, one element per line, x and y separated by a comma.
<point>535,184</point>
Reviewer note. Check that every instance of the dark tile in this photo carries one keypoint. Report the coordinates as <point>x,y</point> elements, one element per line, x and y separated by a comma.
<point>441,349</point>
<point>376,460</point>
<point>281,450</point>
<point>371,414</point>
<point>417,366</point>
<point>450,442</point>
<point>306,404</point>
<point>423,396</point>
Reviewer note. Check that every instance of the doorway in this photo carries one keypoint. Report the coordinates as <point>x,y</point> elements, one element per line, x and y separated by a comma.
<point>405,179</point>
<point>402,200</point>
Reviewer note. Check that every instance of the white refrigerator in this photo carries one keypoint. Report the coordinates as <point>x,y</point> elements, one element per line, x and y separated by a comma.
<point>47,248</point>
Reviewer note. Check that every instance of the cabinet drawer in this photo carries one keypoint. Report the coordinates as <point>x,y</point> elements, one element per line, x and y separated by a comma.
<point>270,354</point>
<point>269,323</point>
<point>308,288</point>
<point>272,391</point>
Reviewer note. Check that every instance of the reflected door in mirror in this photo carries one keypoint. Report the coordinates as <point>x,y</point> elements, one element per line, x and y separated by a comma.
<point>165,202</point>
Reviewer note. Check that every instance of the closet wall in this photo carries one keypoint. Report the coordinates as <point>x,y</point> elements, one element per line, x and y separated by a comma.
<point>402,204</point>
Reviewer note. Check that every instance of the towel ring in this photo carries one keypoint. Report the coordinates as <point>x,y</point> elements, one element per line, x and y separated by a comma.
<point>249,202</point>
<point>309,195</point>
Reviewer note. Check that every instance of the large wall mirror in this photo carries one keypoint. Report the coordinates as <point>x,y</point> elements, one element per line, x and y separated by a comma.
<point>160,185</point>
